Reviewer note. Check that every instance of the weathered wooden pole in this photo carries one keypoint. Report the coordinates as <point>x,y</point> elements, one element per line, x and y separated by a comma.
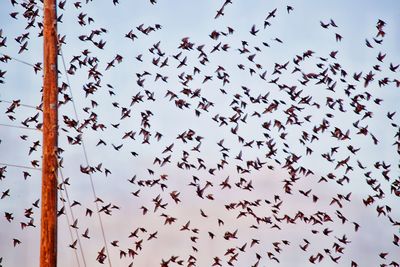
<point>48,234</point>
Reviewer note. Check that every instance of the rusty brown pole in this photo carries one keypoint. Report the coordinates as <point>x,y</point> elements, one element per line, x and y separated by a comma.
<point>48,234</point>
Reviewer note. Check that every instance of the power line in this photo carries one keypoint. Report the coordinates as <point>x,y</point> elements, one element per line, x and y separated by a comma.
<point>20,166</point>
<point>19,104</point>
<point>72,216</point>
<point>87,161</point>
<point>20,127</point>
<point>69,224</point>
<point>19,60</point>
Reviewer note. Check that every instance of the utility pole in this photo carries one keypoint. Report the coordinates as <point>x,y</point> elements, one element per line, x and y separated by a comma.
<point>48,234</point>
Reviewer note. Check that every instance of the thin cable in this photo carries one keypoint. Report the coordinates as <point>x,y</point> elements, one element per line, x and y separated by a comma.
<point>20,166</point>
<point>72,215</point>
<point>67,217</point>
<point>19,60</point>
<point>87,161</point>
<point>22,105</point>
<point>20,127</point>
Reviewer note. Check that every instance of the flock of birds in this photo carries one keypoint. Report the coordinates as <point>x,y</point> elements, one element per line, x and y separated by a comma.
<point>287,127</point>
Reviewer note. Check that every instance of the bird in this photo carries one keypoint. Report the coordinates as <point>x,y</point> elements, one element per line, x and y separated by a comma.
<point>73,245</point>
<point>86,233</point>
<point>16,242</point>
<point>5,193</point>
<point>253,30</point>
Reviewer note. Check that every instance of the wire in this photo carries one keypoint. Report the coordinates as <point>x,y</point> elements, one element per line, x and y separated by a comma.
<point>72,215</point>
<point>19,60</point>
<point>87,161</point>
<point>67,217</point>
<point>20,127</point>
<point>20,166</point>
<point>22,105</point>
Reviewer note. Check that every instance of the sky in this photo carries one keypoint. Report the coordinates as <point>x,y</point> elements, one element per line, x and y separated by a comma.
<point>299,31</point>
